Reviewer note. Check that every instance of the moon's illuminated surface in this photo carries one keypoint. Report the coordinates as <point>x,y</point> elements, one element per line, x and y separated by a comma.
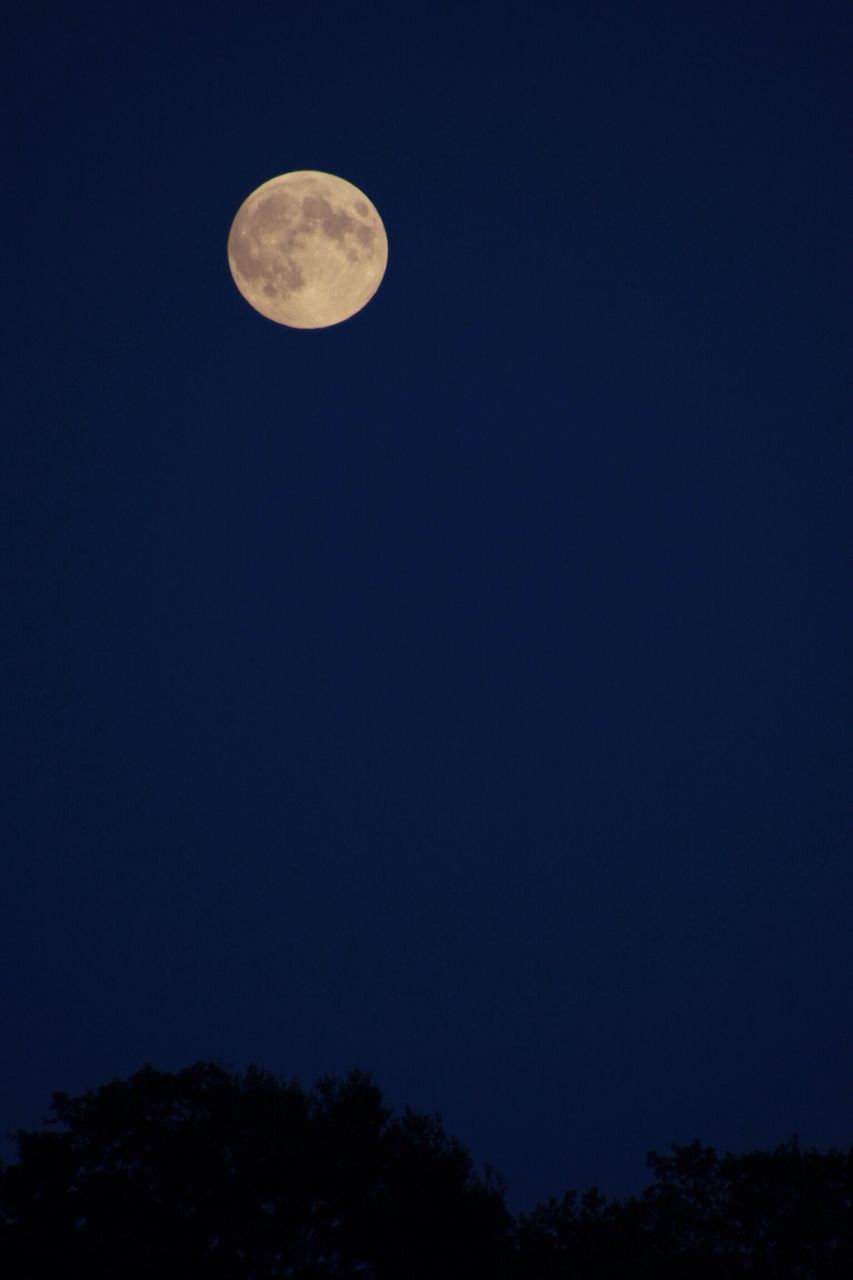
<point>307,249</point>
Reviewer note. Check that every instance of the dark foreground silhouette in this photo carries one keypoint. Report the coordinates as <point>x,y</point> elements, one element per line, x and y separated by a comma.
<point>210,1174</point>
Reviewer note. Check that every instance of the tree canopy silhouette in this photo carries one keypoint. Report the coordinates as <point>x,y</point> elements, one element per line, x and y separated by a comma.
<point>785,1214</point>
<point>207,1173</point>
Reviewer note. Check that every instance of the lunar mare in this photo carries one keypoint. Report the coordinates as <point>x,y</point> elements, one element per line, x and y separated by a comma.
<point>307,249</point>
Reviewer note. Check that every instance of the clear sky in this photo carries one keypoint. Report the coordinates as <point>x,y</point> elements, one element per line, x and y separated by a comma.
<point>461,693</point>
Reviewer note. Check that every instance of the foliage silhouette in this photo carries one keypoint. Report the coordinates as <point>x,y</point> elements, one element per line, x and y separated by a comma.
<point>205,1173</point>
<point>785,1215</point>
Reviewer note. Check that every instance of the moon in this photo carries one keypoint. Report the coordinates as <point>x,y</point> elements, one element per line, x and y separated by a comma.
<point>307,249</point>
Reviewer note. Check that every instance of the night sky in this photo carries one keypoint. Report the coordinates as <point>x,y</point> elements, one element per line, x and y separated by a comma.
<point>461,693</point>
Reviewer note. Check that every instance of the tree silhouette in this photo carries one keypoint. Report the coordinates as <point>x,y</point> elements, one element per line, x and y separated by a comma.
<point>206,1173</point>
<point>785,1214</point>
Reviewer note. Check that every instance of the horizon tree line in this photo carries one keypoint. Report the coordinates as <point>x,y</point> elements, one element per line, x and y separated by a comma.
<point>210,1173</point>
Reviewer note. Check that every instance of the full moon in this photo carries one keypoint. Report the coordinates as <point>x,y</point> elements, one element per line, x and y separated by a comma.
<point>307,249</point>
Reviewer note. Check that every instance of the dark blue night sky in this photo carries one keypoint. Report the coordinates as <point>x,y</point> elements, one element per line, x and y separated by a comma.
<point>462,692</point>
